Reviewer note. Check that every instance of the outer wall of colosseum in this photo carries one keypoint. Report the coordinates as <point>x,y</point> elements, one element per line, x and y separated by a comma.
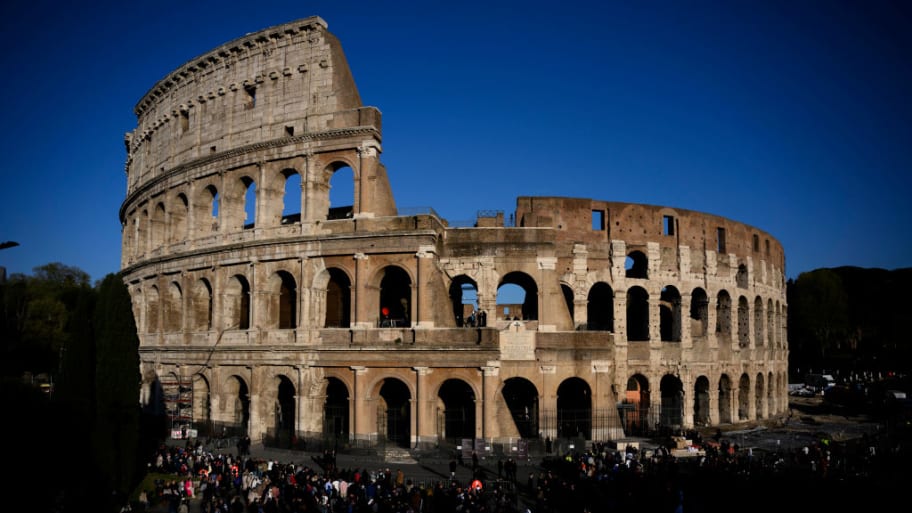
<point>263,309</point>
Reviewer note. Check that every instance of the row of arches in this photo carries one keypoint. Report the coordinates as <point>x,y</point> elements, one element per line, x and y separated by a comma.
<point>572,412</point>
<point>233,204</point>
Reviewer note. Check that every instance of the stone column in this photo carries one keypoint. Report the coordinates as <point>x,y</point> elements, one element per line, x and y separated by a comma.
<point>425,435</point>
<point>359,316</point>
<point>424,303</point>
<point>548,402</point>
<point>489,381</point>
<point>358,405</point>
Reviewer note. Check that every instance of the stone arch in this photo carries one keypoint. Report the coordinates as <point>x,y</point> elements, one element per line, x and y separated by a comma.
<point>770,324</point>
<point>456,409</point>
<point>157,227</point>
<point>743,322</point>
<point>759,395</point>
<point>636,265</point>
<point>395,301</point>
<point>202,404</point>
<point>771,387</point>
<point>206,211</point>
<point>522,399</point>
<point>743,397</point>
<point>725,399</point>
<point>699,312</point>
<point>574,409</point>
<point>671,417</point>
<point>670,314</point>
<point>701,412</point>
<point>236,401</point>
<point>338,298</point>
<point>336,412</point>
<point>759,338</point>
<point>741,278</point>
<point>724,315</point>
<point>201,305</point>
<point>394,412</point>
<point>291,197</point>
<point>178,219</point>
<point>152,309</point>
<point>637,314</point>
<point>635,406</point>
<point>463,294</point>
<point>284,419</point>
<point>529,308</point>
<point>174,309</point>
<point>600,307</point>
<point>283,300</point>
<point>341,202</point>
<point>237,303</point>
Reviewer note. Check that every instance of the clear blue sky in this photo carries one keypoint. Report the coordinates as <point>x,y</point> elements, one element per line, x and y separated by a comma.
<point>791,116</point>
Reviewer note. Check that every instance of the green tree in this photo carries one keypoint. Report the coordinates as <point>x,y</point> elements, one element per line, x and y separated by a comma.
<point>819,316</point>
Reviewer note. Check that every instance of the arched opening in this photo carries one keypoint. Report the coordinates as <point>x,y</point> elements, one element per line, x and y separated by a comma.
<point>201,405</point>
<point>283,428</point>
<point>291,197</point>
<point>699,313</point>
<point>672,415</point>
<point>636,265</point>
<point>759,396</point>
<point>201,305</point>
<point>670,315</point>
<point>237,303</point>
<point>249,203</point>
<point>637,314</point>
<point>178,219</point>
<point>238,402</point>
<point>394,414</point>
<point>508,299</point>
<point>724,316</point>
<point>701,414</point>
<point>464,300</point>
<point>634,407</point>
<point>744,397</point>
<point>725,400</point>
<point>288,301</point>
<point>338,299</point>
<point>743,322</point>
<point>157,230</point>
<point>174,309</point>
<point>457,401</point>
<point>741,277</point>
<point>152,307</point>
<point>395,298</point>
<point>770,324</point>
<point>521,397</point>
<point>335,411</point>
<point>574,409</point>
<point>600,308</point>
<point>759,339</point>
<point>341,194</point>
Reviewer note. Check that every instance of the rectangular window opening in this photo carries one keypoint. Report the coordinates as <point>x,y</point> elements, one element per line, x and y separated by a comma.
<point>720,240</point>
<point>212,149</point>
<point>251,96</point>
<point>184,121</point>
<point>668,225</point>
<point>289,131</point>
<point>598,220</point>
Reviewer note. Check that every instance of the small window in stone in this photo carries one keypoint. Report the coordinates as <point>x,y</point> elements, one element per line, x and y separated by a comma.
<point>767,243</point>
<point>668,225</point>
<point>756,243</point>
<point>720,240</point>
<point>184,121</point>
<point>212,149</point>
<point>250,101</point>
<point>598,220</point>
<point>289,131</point>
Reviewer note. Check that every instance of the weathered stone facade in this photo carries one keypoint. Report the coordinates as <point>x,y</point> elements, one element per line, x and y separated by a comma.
<point>311,322</point>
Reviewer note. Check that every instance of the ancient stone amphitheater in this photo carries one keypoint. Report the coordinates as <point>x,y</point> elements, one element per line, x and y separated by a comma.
<point>264,309</point>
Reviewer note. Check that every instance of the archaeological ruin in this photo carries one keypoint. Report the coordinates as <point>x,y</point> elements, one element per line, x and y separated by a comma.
<point>264,309</point>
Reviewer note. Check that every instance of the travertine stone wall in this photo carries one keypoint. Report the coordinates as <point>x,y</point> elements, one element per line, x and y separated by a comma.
<point>290,318</point>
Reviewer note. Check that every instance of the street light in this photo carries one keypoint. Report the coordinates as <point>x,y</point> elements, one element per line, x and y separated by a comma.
<point>8,244</point>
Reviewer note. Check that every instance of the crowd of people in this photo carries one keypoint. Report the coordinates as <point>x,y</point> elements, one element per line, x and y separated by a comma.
<point>600,478</point>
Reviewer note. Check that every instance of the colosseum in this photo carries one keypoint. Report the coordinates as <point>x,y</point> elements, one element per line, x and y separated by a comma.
<point>264,309</point>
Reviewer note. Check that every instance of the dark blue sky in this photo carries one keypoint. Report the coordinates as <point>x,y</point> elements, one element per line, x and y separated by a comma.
<point>791,116</point>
